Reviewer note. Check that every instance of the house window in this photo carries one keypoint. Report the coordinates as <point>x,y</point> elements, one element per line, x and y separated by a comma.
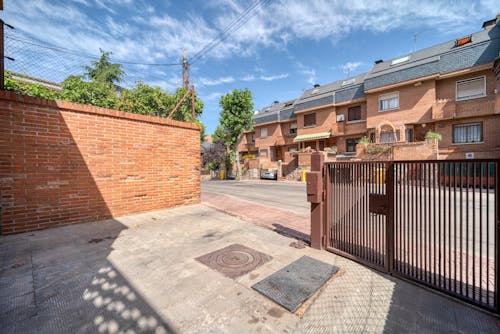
<point>409,135</point>
<point>263,133</point>
<point>354,113</point>
<point>253,137</point>
<point>388,101</point>
<point>471,88</point>
<point>372,137</point>
<point>389,137</point>
<point>310,119</point>
<point>263,153</point>
<point>293,128</point>
<point>467,133</point>
<point>351,144</point>
<point>463,41</point>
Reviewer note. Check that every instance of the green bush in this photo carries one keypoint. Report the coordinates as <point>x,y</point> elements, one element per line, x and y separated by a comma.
<point>94,93</point>
<point>30,89</point>
<point>433,135</point>
<point>364,140</point>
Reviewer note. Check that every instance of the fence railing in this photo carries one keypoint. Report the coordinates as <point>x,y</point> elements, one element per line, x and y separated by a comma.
<point>432,222</point>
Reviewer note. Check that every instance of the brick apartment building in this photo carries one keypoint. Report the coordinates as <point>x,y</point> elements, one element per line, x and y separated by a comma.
<point>450,88</point>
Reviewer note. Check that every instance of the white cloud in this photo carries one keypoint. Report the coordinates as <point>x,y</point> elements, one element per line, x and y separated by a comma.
<point>248,77</point>
<point>273,77</point>
<point>251,77</point>
<point>273,26</point>
<point>350,67</point>
<point>310,73</point>
<point>160,36</point>
<point>215,82</point>
<point>212,96</point>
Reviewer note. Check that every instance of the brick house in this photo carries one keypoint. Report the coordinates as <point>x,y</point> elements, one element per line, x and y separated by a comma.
<point>450,88</point>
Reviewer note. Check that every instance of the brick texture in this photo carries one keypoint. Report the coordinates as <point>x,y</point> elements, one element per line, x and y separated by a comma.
<point>63,163</point>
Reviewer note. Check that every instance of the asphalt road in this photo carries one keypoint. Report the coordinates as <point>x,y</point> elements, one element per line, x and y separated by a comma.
<point>281,195</point>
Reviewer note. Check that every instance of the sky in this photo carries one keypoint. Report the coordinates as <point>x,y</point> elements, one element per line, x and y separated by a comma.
<point>279,49</point>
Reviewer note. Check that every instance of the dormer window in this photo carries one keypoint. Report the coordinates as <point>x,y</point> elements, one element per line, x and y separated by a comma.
<point>400,60</point>
<point>348,82</point>
<point>463,41</point>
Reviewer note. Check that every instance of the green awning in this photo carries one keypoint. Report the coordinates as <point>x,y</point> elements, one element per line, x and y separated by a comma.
<point>312,136</point>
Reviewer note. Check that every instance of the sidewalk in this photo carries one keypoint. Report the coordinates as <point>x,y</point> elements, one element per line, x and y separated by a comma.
<point>139,274</point>
<point>278,220</point>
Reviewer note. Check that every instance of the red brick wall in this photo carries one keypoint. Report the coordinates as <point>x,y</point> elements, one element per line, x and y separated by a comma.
<point>415,106</point>
<point>63,163</point>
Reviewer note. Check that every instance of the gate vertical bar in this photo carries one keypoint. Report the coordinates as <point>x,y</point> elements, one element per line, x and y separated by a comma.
<point>497,236</point>
<point>389,229</point>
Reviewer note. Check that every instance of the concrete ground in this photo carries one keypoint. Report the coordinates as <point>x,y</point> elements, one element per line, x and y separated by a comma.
<point>139,274</point>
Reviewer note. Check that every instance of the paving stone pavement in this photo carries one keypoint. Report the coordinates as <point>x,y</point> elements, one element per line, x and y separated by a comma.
<point>138,274</point>
<point>278,220</point>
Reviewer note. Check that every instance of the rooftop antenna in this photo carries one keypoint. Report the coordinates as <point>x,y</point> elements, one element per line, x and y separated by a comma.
<point>415,41</point>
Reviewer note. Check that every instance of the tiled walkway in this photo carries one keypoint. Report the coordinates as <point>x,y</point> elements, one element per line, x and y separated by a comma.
<point>139,274</point>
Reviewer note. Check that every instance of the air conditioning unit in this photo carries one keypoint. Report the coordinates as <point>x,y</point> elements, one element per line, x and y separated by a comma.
<point>340,118</point>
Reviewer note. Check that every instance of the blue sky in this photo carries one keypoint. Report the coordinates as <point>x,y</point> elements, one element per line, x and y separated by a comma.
<point>285,47</point>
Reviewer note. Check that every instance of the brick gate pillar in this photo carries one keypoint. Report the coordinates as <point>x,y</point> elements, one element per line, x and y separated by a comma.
<point>314,187</point>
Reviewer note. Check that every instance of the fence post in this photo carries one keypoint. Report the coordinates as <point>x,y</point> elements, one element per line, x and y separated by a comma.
<point>389,229</point>
<point>2,59</point>
<point>315,195</point>
<point>497,237</point>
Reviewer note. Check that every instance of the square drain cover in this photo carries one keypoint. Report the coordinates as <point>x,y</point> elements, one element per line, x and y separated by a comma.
<point>234,260</point>
<point>294,284</point>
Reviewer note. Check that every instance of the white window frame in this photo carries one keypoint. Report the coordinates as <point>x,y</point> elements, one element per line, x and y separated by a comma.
<point>263,133</point>
<point>481,140</point>
<point>457,98</point>
<point>387,97</point>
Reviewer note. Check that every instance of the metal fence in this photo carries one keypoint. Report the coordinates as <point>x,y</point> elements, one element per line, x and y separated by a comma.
<point>432,222</point>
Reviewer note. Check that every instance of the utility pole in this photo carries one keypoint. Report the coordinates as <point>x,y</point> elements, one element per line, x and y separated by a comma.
<point>185,74</point>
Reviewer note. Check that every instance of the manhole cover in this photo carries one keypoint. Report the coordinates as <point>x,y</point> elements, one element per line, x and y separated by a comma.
<point>234,260</point>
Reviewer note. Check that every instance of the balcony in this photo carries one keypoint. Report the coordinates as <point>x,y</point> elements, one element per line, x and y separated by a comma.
<point>449,109</point>
<point>250,147</point>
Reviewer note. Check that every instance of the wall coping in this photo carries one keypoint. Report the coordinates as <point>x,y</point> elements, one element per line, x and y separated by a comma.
<point>90,109</point>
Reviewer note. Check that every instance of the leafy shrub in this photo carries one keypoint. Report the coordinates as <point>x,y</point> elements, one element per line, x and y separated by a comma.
<point>433,135</point>
<point>94,93</point>
<point>364,140</point>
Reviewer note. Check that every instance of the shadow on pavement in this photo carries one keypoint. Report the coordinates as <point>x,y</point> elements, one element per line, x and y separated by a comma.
<point>66,284</point>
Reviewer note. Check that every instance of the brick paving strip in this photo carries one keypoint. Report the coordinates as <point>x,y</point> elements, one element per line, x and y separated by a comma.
<point>281,221</point>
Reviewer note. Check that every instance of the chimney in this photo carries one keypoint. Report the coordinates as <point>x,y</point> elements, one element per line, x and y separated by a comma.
<point>316,85</point>
<point>379,61</point>
<point>491,23</point>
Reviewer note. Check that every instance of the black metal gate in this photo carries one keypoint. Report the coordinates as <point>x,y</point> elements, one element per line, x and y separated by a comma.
<point>433,222</point>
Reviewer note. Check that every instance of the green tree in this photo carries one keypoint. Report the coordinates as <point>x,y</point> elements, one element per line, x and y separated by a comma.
<point>94,93</point>
<point>146,100</point>
<point>104,71</point>
<point>236,116</point>
<point>184,112</point>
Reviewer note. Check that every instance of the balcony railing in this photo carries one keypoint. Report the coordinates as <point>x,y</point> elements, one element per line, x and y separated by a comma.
<point>449,109</point>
